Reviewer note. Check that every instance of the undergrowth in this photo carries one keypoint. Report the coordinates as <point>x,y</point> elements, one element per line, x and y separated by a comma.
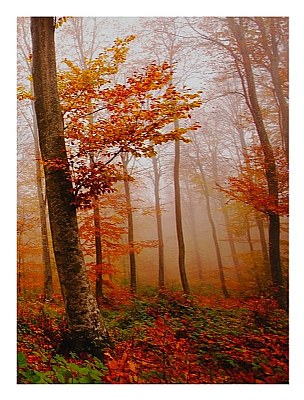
<point>161,338</point>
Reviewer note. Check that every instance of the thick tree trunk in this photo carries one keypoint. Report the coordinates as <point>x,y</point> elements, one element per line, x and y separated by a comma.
<point>178,219</point>
<point>84,327</point>
<point>161,263</point>
<point>133,280</point>
<point>270,165</point>
<point>46,259</point>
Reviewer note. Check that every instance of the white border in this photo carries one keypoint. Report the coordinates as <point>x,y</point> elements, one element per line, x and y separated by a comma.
<point>8,198</point>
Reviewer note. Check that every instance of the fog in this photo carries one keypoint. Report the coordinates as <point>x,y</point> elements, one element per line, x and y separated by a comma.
<point>223,237</point>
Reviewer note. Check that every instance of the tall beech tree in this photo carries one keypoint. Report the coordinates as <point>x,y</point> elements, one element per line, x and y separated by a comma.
<point>84,326</point>
<point>237,27</point>
<point>25,49</point>
<point>236,38</point>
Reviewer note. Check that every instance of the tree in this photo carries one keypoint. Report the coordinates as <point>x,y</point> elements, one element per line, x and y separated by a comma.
<point>84,326</point>
<point>158,211</point>
<point>204,187</point>
<point>31,121</point>
<point>178,217</point>
<point>240,39</point>
<point>250,186</point>
<point>85,55</point>
<point>274,43</point>
<point>110,229</point>
<point>238,30</point>
<point>167,41</point>
<point>125,158</point>
<point>130,118</point>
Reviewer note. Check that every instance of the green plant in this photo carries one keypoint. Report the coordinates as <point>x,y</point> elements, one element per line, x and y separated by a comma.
<point>61,371</point>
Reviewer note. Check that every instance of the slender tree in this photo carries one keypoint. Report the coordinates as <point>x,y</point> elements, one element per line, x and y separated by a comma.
<point>214,232</point>
<point>84,55</point>
<point>161,261</point>
<point>190,210</point>
<point>125,158</point>
<point>178,217</point>
<point>84,326</point>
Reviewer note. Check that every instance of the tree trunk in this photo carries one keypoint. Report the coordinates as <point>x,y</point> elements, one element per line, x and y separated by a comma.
<point>133,283</point>
<point>214,235</point>
<point>227,222</point>
<point>46,259</point>
<point>19,263</point>
<point>178,219</point>
<point>84,326</point>
<point>98,251</point>
<point>260,226</point>
<point>231,240</point>
<point>194,234</point>
<point>161,264</point>
<point>193,223</point>
<point>248,233</point>
<point>79,33</point>
<point>270,165</point>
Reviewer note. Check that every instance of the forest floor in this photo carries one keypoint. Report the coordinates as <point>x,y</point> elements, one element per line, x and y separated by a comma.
<point>162,338</point>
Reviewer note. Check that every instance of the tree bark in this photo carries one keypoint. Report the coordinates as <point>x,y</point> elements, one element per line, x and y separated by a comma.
<point>46,259</point>
<point>270,165</point>
<point>84,326</point>
<point>260,226</point>
<point>161,263</point>
<point>178,219</point>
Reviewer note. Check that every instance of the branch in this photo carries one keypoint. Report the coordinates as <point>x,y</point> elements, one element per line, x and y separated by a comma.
<point>114,156</point>
<point>224,95</point>
<point>99,109</point>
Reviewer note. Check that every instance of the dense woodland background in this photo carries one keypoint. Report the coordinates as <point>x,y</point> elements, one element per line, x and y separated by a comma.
<point>199,208</point>
<point>218,152</point>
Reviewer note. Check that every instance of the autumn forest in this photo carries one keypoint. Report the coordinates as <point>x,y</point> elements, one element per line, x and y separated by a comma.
<point>152,200</point>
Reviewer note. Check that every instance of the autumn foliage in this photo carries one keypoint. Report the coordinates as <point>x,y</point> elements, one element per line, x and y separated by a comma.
<point>155,336</point>
<point>164,338</point>
<point>250,187</point>
<point>104,118</point>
